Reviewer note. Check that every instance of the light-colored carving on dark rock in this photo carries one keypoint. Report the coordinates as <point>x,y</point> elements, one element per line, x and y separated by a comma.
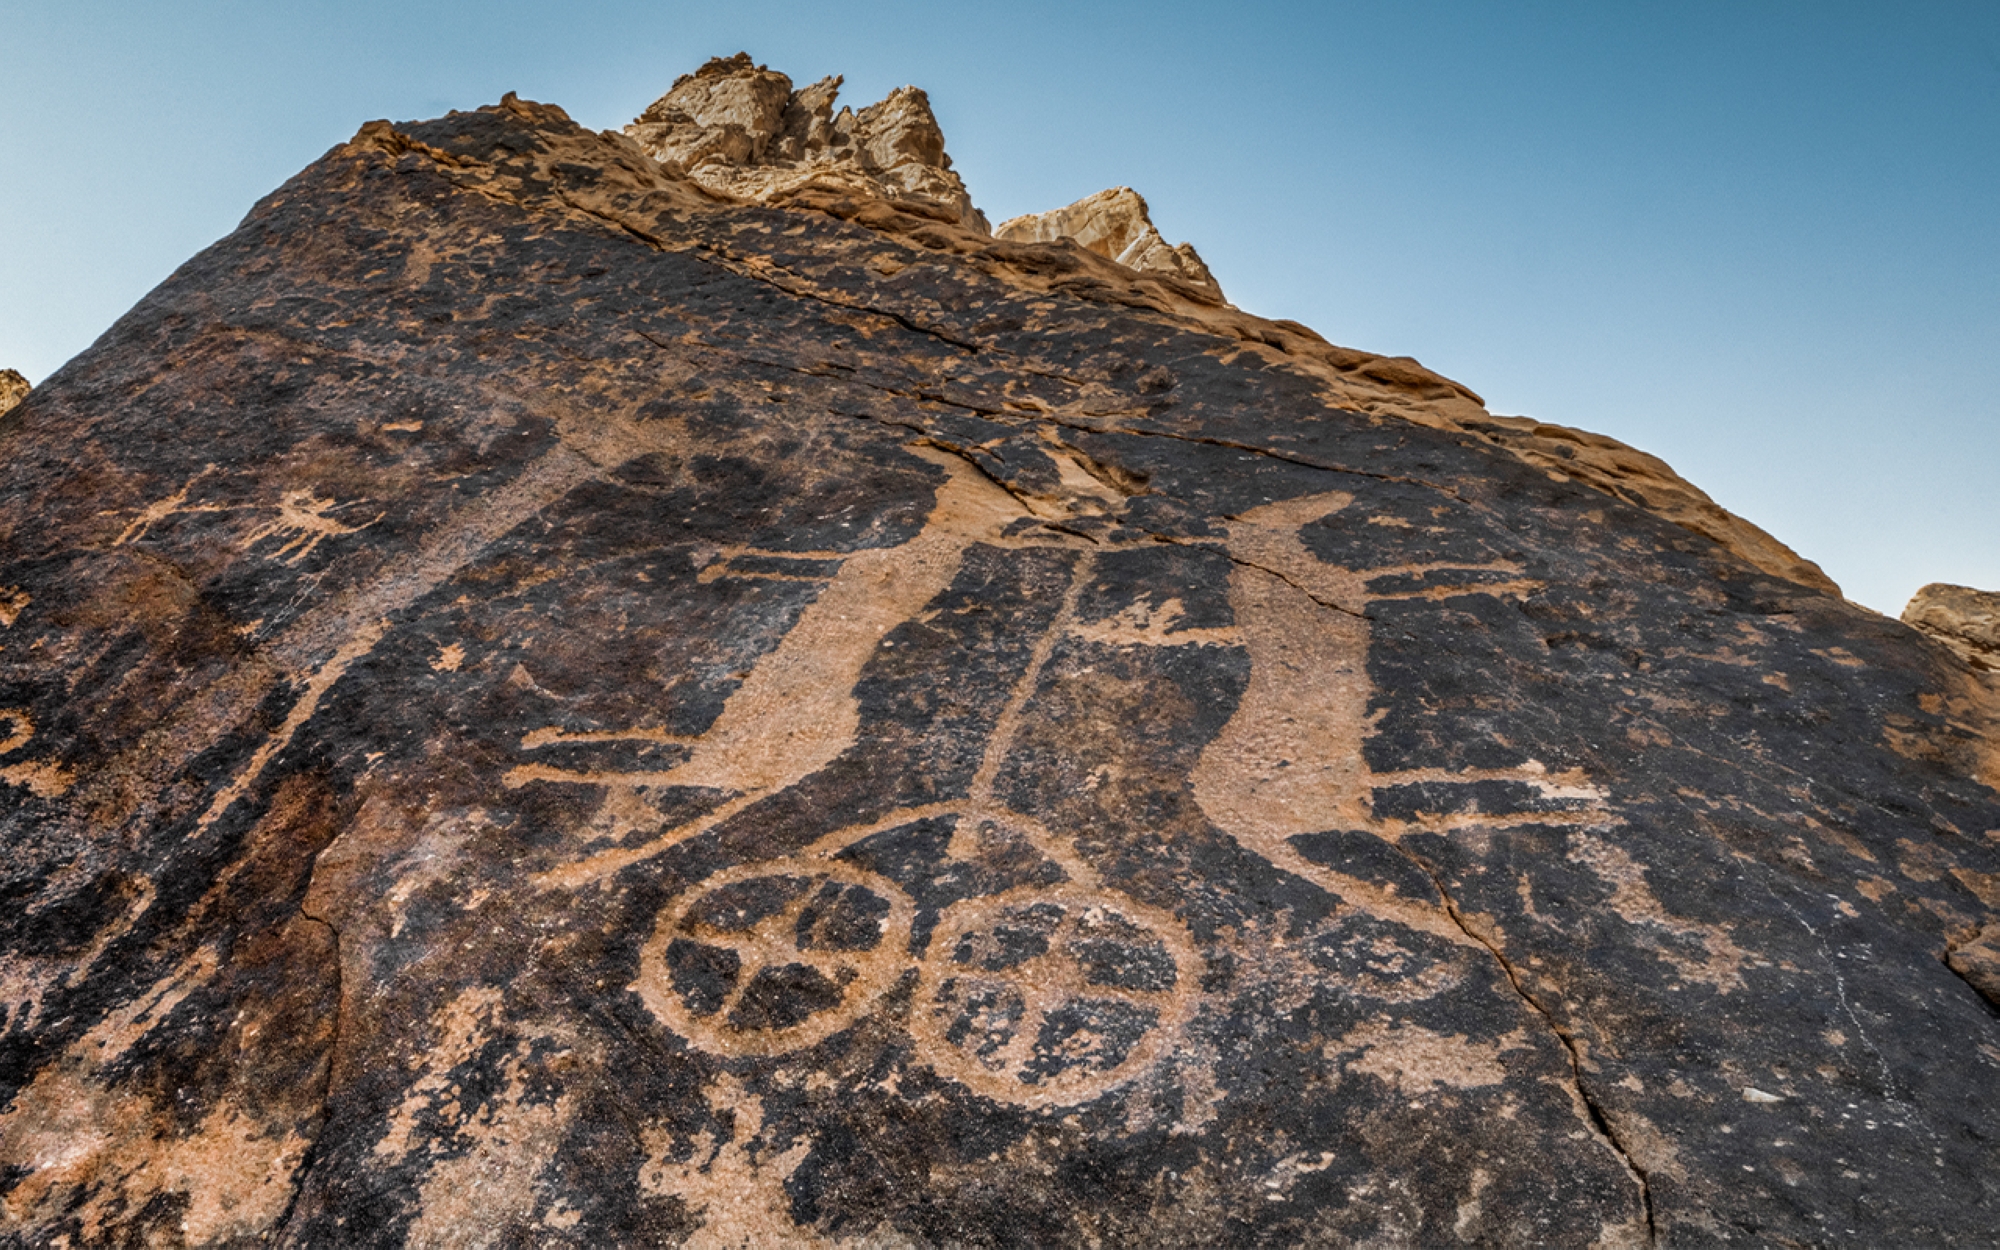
<point>608,709</point>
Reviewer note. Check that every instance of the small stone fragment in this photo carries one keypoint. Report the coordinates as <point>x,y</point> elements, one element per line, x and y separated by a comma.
<point>1752,1094</point>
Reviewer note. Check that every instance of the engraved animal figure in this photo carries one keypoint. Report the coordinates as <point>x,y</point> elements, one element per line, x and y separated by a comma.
<point>1039,995</point>
<point>1290,760</point>
<point>303,522</point>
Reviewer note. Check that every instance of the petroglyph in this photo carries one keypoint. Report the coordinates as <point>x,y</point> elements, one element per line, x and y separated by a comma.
<point>303,522</point>
<point>772,956</point>
<point>160,509</point>
<point>1722,961</point>
<point>1290,760</point>
<point>323,644</point>
<point>764,959</point>
<point>43,780</point>
<point>796,712</point>
<point>1045,995</point>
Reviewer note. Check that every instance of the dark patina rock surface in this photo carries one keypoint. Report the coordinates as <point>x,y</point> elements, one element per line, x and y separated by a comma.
<point>545,706</point>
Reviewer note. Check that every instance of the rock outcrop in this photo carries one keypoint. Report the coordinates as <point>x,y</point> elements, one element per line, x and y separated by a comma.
<point>1963,619</point>
<point>13,389</point>
<point>738,128</point>
<point>544,704</point>
<point>1115,224</point>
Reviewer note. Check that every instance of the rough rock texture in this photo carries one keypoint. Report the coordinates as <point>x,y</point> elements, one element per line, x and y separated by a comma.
<point>1114,224</point>
<point>13,389</point>
<point>738,128</point>
<point>543,707</point>
<point>1964,619</point>
<point>1978,961</point>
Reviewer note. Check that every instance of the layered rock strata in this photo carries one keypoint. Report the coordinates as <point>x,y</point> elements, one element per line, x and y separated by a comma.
<point>1115,224</point>
<point>543,704</point>
<point>738,128</point>
<point>13,389</point>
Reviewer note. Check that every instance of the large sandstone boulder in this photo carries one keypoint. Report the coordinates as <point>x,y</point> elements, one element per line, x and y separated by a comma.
<point>1964,619</point>
<point>1115,224</point>
<point>738,128</point>
<point>13,389</point>
<point>543,706</point>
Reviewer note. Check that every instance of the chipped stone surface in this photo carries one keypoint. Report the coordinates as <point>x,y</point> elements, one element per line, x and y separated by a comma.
<point>540,705</point>
<point>13,389</point>
<point>738,128</point>
<point>1117,225</point>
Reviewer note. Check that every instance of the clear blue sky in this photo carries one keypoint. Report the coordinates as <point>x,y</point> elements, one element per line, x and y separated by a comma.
<point>1759,238</point>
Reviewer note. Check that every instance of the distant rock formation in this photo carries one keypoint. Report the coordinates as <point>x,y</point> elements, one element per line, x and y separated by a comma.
<point>1963,619</point>
<point>738,128</point>
<point>1114,224</point>
<point>13,389</point>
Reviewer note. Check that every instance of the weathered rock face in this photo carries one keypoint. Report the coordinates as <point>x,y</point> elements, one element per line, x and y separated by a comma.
<point>1115,224</point>
<point>1964,619</point>
<point>737,127</point>
<point>544,707</point>
<point>13,389</point>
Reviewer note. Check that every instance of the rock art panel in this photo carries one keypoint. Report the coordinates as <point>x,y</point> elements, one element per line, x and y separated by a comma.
<point>597,709</point>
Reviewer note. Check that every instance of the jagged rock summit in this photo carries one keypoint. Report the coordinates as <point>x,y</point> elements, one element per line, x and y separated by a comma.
<point>1118,225</point>
<point>13,389</point>
<point>545,703</point>
<point>739,128</point>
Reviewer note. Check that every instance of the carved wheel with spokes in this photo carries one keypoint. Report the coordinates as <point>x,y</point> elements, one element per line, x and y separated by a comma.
<point>773,957</point>
<point>1043,996</point>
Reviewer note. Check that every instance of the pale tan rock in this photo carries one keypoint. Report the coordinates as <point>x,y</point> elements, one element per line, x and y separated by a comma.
<point>13,389</point>
<point>738,128</point>
<point>1115,224</point>
<point>1963,619</point>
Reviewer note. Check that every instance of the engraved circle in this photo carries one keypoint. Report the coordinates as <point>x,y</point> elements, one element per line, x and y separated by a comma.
<point>1046,996</point>
<point>772,957</point>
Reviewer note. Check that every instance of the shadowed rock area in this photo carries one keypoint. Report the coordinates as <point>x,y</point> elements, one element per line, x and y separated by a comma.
<point>548,703</point>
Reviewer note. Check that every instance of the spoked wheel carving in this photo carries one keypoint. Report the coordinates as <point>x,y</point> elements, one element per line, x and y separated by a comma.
<point>773,957</point>
<point>1045,996</point>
